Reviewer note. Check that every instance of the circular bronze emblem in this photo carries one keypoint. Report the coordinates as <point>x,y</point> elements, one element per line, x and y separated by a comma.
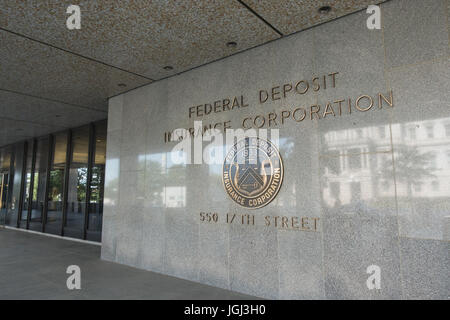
<point>252,172</point>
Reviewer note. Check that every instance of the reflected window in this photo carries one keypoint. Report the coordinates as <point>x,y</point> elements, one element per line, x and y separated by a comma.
<point>435,185</point>
<point>335,191</point>
<point>359,133</point>
<point>418,187</point>
<point>175,197</point>
<point>382,131</point>
<point>383,161</point>
<point>355,191</point>
<point>432,158</point>
<point>412,133</point>
<point>334,162</point>
<point>176,159</point>
<point>354,160</point>
<point>56,184</point>
<point>430,131</point>
<point>447,130</point>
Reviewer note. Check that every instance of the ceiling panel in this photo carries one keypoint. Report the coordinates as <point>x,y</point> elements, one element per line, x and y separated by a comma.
<point>47,112</point>
<point>289,16</point>
<point>35,69</point>
<point>141,36</point>
<point>13,130</point>
<point>20,113</point>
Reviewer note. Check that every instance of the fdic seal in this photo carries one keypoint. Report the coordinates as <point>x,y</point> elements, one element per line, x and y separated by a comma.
<point>252,172</point>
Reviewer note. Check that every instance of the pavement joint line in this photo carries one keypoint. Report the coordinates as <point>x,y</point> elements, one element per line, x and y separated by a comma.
<point>55,236</point>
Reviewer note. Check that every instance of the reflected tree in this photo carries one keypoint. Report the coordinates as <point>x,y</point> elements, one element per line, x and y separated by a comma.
<point>412,166</point>
<point>97,183</point>
<point>56,182</point>
<point>156,183</point>
<point>81,184</point>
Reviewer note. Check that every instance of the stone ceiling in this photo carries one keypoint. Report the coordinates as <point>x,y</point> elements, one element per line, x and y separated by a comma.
<point>52,78</point>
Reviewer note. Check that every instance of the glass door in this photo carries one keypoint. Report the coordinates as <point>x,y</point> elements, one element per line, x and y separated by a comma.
<point>4,178</point>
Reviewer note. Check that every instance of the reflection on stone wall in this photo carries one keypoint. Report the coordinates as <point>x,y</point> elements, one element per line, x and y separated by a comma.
<point>359,167</point>
<point>377,182</point>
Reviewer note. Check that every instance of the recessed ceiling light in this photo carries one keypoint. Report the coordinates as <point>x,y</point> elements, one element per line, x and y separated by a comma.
<point>231,44</point>
<point>324,9</point>
<point>168,68</point>
<point>122,85</point>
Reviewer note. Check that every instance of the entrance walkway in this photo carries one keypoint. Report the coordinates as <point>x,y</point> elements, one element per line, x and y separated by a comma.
<point>34,267</point>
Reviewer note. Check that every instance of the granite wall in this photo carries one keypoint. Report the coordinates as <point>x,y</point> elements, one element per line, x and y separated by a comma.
<point>378,181</point>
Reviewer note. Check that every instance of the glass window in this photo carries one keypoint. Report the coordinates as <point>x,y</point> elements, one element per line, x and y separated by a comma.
<point>94,223</point>
<point>26,186</point>
<point>28,178</point>
<point>56,184</point>
<point>39,182</point>
<point>5,163</point>
<point>13,206</point>
<point>76,196</point>
<point>3,194</point>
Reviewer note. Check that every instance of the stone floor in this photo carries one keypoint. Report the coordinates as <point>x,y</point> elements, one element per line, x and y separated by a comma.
<point>34,266</point>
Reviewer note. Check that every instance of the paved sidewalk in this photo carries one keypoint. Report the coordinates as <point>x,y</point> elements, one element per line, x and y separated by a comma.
<point>34,267</point>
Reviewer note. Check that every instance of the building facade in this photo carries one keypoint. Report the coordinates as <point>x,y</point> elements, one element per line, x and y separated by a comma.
<point>363,127</point>
<point>281,149</point>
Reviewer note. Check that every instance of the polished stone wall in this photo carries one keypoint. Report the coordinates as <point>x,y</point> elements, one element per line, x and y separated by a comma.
<point>379,181</point>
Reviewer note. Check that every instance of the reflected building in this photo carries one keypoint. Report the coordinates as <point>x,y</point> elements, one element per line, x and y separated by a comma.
<point>421,147</point>
<point>358,167</point>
